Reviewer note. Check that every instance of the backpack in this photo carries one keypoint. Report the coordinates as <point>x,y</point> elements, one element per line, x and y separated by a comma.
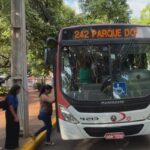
<point>4,104</point>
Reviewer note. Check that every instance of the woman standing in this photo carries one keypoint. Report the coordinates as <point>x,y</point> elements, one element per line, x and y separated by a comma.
<point>12,120</point>
<point>46,112</point>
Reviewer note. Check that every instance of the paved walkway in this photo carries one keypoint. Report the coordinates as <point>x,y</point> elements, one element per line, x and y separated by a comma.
<point>34,123</point>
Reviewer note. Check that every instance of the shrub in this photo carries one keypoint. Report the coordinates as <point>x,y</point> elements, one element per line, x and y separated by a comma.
<point>3,91</point>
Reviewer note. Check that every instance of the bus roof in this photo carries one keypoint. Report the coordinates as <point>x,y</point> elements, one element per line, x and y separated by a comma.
<point>102,25</point>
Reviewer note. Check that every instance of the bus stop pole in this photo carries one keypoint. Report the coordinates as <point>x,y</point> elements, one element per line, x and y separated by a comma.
<point>19,60</point>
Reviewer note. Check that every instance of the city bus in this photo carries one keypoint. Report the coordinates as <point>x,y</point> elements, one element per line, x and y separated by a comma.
<point>102,79</point>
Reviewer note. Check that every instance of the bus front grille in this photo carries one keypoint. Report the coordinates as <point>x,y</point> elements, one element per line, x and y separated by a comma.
<point>100,132</point>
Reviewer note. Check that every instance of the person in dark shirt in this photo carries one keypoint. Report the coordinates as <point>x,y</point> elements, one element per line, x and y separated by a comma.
<point>12,120</point>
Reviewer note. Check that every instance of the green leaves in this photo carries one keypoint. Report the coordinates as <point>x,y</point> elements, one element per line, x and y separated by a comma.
<point>5,45</point>
<point>106,10</point>
<point>45,18</point>
<point>38,29</point>
<point>145,15</point>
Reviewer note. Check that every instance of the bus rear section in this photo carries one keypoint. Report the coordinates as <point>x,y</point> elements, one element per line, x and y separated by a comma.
<point>103,82</point>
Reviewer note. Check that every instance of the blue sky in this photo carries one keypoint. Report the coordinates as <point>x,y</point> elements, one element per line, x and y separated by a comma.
<point>135,5</point>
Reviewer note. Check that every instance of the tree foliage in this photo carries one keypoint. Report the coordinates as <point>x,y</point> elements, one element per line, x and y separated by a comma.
<point>4,37</point>
<point>106,10</point>
<point>45,18</point>
<point>145,15</point>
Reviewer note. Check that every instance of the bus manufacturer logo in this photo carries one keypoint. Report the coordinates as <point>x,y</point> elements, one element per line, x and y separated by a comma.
<point>112,102</point>
<point>122,117</point>
<point>113,118</point>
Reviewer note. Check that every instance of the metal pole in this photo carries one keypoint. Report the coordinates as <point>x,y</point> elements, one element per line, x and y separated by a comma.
<point>19,59</point>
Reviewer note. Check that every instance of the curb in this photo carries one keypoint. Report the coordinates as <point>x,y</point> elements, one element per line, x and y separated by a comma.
<point>31,144</point>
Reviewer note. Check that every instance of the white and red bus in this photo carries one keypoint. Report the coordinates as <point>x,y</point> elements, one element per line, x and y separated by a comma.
<point>103,81</point>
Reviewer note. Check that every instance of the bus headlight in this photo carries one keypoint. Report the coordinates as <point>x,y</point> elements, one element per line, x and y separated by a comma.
<point>68,116</point>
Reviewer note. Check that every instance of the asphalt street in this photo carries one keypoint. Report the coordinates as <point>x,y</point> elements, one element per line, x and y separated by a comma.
<point>132,143</point>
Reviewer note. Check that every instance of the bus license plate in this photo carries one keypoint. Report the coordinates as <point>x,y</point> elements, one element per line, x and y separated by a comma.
<point>111,136</point>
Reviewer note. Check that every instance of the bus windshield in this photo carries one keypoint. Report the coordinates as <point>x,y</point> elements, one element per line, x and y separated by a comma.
<point>102,72</point>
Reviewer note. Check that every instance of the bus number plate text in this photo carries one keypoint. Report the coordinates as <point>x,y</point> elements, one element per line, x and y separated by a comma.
<point>116,135</point>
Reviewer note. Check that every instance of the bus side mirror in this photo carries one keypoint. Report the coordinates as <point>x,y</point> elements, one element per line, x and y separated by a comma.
<point>47,56</point>
<point>51,42</point>
<point>50,51</point>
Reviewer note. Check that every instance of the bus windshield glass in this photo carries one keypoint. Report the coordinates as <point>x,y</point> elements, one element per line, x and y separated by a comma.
<point>99,72</point>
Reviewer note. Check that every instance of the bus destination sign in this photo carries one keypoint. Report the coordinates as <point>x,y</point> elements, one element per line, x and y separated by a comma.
<point>106,32</point>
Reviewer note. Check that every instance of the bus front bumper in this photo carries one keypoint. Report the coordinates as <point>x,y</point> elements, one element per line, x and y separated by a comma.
<point>83,131</point>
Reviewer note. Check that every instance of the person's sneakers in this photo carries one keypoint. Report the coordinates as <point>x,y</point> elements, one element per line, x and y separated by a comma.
<point>49,143</point>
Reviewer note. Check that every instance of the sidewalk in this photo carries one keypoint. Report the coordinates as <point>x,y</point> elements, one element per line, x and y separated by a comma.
<point>34,123</point>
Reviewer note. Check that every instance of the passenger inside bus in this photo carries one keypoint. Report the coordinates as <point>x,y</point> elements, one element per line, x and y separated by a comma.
<point>85,72</point>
